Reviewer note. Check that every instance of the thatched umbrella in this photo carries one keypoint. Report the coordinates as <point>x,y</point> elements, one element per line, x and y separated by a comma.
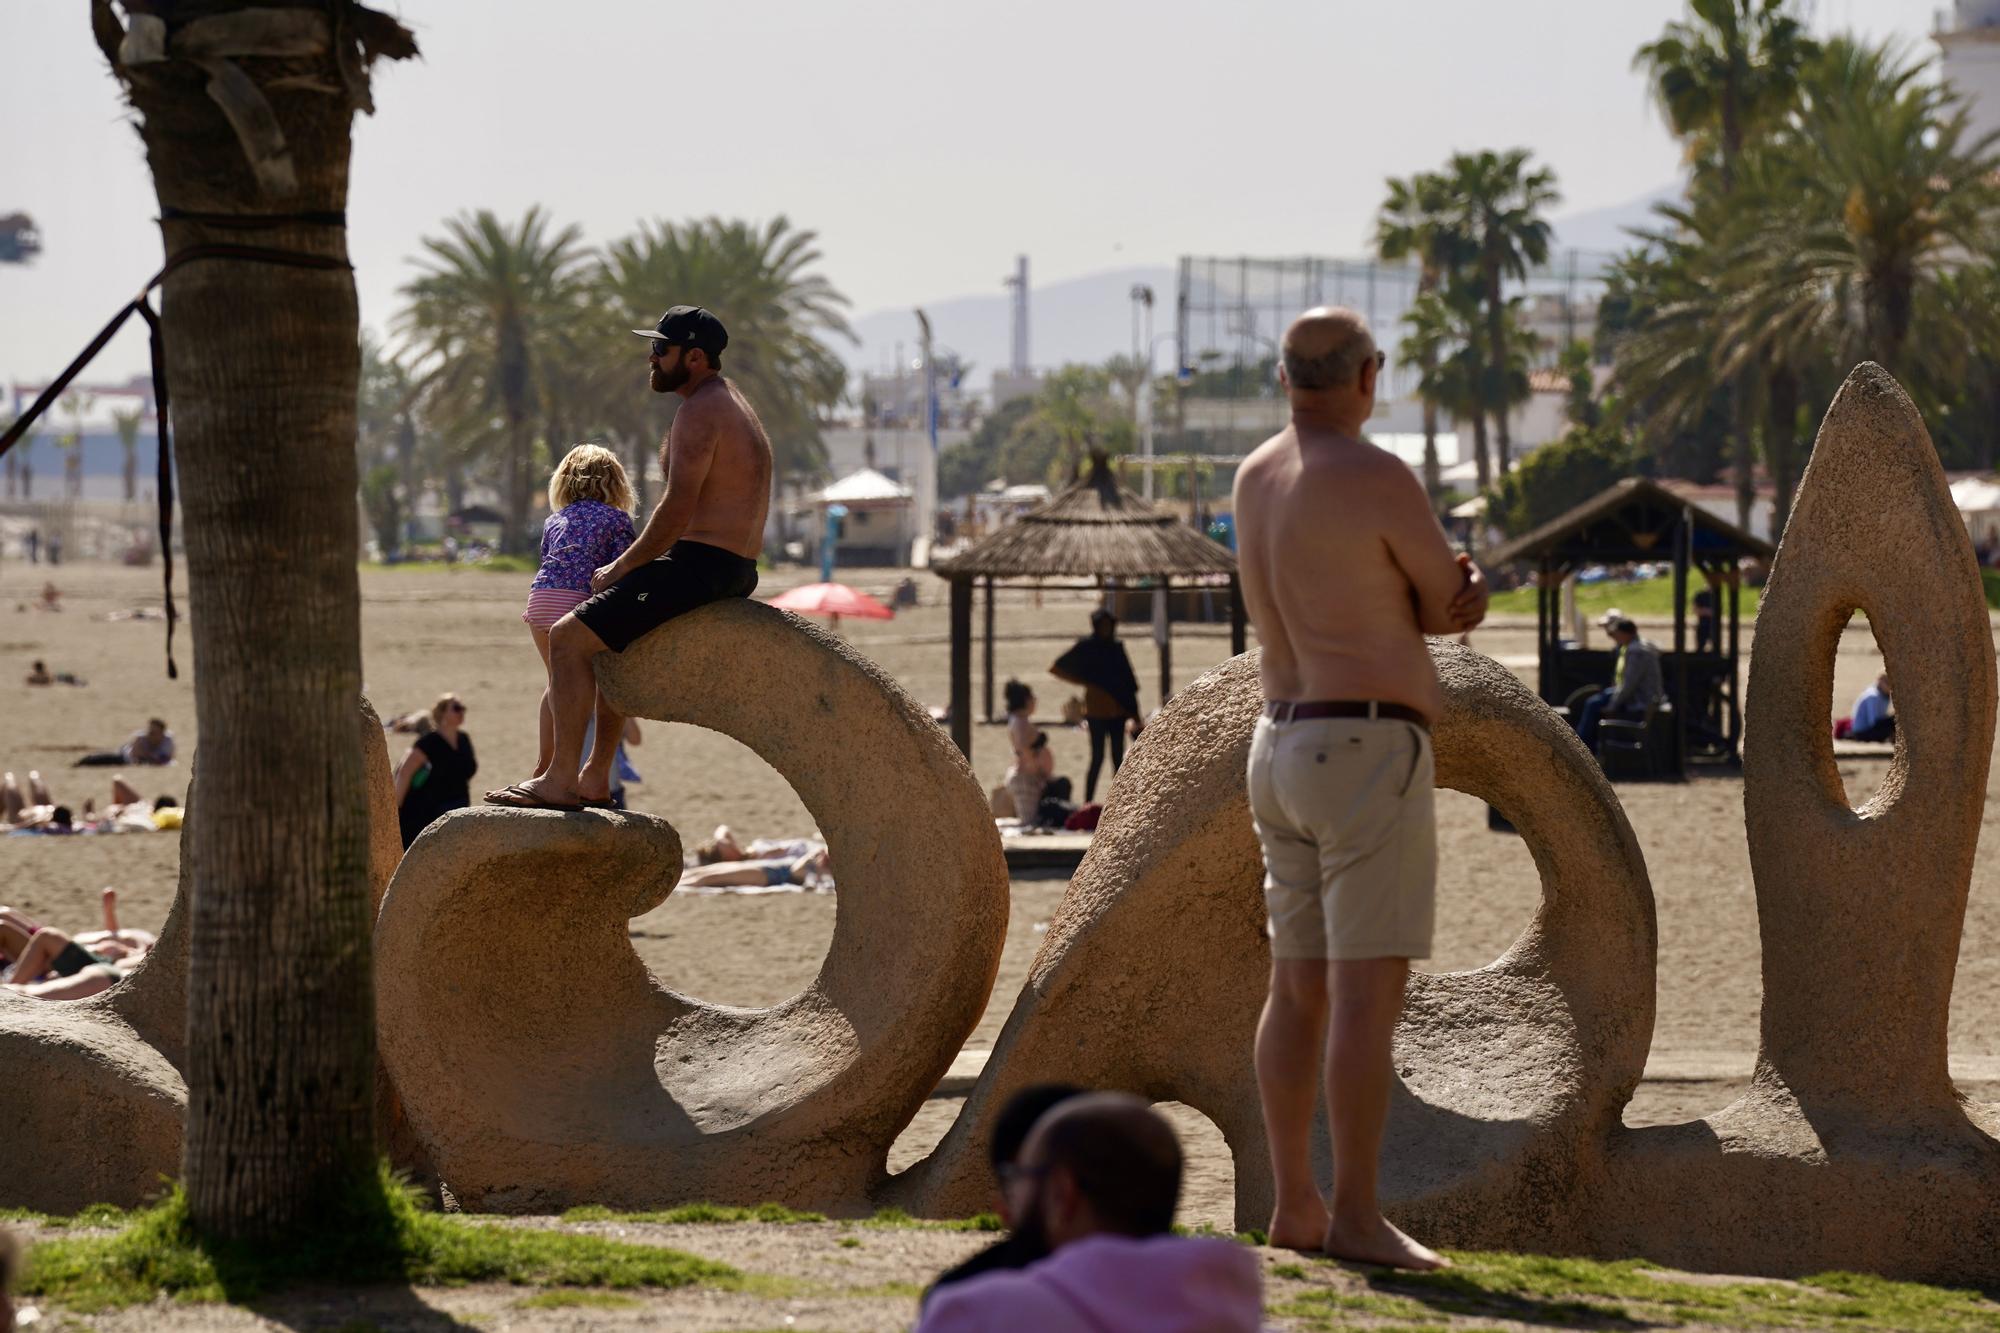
<point>1094,534</point>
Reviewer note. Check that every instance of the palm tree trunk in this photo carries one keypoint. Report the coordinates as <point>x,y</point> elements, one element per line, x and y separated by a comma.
<point>1744,456</point>
<point>1433,473</point>
<point>1781,421</point>
<point>264,362</point>
<point>1481,456</point>
<point>1495,379</point>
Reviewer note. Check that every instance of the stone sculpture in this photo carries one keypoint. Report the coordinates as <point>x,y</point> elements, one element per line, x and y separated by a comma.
<point>1152,975</point>
<point>537,1077</point>
<point>95,1085</point>
<point>540,1077</point>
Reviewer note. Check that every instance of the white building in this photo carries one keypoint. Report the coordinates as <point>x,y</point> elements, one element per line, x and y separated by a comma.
<point>1971,63</point>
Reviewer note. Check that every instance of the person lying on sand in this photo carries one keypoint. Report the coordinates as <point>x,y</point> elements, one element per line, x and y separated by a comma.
<point>35,809</point>
<point>724,845</point>
<point>45,963</point>
<point>39,675</point>
<point>771,872</point>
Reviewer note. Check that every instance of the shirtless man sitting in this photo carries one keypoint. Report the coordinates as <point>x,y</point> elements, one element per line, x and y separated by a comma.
<point>700,546</point>
<point>1344,571</point>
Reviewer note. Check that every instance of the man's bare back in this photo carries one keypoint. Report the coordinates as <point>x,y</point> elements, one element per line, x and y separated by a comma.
<point>735,495</point>
<point>1344,570</point>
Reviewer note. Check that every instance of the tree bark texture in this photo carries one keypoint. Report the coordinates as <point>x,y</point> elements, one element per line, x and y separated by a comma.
<point>263,363</point>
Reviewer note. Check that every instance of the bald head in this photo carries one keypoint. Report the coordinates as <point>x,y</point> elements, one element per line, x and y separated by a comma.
<point>1116,1155</point>
<point>1326,347</point>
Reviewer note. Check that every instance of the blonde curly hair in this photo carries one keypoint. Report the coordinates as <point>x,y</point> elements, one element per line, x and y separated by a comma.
<point>590,472</point>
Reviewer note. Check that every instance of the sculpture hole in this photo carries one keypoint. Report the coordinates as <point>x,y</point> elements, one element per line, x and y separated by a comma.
<point>1208,1173</point>
<point>747,946</point>
<point>1488,887</point>
<point>1857,661</point>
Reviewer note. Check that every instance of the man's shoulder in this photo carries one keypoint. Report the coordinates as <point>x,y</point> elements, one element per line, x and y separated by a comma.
<point>998,1299</point>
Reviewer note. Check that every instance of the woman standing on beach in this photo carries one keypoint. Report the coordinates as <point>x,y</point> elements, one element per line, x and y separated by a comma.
<point>1110,693</point>
<point>436,775</point>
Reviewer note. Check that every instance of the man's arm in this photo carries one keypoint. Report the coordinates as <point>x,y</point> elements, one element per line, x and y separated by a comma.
<point>690,454</point>
<point>1448,591</point>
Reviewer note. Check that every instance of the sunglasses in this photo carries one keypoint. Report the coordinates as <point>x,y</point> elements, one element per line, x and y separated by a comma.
<point>455,708</point>
<point>661,346</point>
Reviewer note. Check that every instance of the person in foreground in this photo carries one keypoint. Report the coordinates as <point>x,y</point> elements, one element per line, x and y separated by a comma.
<point>1100,1175</point>
<point>1340,770</point>
<point>1024,1244</point>
<point>700,546</point>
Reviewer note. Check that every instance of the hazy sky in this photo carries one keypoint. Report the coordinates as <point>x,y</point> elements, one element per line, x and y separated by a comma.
<point>927,143</point>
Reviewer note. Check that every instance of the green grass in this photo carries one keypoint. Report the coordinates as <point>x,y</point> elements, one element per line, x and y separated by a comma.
<point>694,1214</point>
<point>1594,1294</point>
<point>895,1219</point>
<point>382,1235</point>
<point>569,1298</point>
<point>1648,599</point>
<point>97,1215</point>
<point>1653,599</point>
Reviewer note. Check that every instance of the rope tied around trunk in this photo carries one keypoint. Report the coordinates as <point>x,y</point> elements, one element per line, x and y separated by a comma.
<point>141,306</point>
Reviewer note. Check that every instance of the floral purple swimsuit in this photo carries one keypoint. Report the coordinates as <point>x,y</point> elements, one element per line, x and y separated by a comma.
<point>576,540</point>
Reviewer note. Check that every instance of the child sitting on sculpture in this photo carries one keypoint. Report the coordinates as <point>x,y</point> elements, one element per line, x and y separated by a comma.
<point>589,526</point>
<point>44,963</point>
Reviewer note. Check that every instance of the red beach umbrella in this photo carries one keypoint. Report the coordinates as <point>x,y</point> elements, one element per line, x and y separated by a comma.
<point>832,599</point>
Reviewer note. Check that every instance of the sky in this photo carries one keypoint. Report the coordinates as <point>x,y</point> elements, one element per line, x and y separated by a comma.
<point>926,143</point>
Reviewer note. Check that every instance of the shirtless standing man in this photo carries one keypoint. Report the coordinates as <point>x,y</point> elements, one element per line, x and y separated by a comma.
<point>700,546</point>
<point>1344,571</point>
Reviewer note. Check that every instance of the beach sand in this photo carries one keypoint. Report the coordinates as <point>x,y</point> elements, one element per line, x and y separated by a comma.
<point>430,630</point>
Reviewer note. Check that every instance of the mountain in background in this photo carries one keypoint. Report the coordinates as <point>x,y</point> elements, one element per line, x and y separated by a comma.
<point>1089,318</point>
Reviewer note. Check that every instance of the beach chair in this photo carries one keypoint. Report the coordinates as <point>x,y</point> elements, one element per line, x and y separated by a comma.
<point>1637,747</point>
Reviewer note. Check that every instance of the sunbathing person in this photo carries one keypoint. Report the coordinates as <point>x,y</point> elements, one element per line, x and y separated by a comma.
<point>39,675</point>
<point>724,845</point>
<point>35,811</point>
<point>45,963</point>
<point>769,872</point>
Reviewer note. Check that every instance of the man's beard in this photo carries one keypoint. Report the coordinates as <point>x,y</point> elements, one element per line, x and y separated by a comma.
<point>666,381</point>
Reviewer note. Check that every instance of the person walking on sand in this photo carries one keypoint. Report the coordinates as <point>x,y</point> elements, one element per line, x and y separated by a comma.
<point>1340,775</point>
<point>700,546</point>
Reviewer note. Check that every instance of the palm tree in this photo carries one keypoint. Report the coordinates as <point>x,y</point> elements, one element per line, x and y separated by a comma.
<point>1724,72</point>
<point>1415,222</point>
<point>1442,339</point>
<point>759,280</point>
<point>1499,201</point>
<point>1856,211</point>
<point>489,298</point>
<point>264,359</point>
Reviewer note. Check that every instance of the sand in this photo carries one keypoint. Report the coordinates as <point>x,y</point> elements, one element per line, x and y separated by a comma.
<point>429,631</point>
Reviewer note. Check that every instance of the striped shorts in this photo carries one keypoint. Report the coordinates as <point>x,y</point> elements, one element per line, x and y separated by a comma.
<point>548,605</point>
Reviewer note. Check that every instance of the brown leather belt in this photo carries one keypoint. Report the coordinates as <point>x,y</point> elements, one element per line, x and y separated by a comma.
<point>1281,711</point>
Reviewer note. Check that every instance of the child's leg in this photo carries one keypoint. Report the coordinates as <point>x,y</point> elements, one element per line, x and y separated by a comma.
<point>547,717</point>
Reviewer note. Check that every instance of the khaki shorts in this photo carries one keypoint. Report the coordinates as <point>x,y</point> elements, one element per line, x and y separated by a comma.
<point>1347,815</point>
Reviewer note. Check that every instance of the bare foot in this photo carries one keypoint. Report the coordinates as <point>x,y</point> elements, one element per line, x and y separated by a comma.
<point>1299,1227</point>
<point>109,899</point>
<point>1377,1241</point>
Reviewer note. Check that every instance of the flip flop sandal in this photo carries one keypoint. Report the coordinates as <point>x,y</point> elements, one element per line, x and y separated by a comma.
<point>518,797</point>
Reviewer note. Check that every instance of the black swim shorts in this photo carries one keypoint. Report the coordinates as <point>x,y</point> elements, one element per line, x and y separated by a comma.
<point>690,575</point>
<point>72,960</point>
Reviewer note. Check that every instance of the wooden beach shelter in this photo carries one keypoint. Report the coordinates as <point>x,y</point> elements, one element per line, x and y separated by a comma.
<point>1093,534</point>
<point>1639,521</point>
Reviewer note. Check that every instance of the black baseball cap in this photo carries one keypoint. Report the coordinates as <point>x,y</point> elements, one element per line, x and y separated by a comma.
<point>689,326</point>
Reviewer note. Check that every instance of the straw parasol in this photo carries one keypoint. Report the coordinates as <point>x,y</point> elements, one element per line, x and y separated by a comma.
<point>1094,533</point>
